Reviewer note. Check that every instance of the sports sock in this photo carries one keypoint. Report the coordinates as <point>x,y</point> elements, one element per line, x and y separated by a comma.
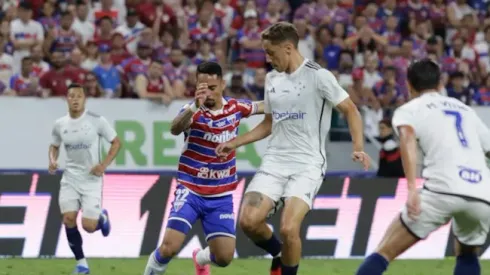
<point>75,242</point>
<point>205,257</point>
<point>289,270</point>
<point>374,264</point>
<point>467,264</point>
<point>160,259</point>
<point>276,263</point>
<point>272,246</point>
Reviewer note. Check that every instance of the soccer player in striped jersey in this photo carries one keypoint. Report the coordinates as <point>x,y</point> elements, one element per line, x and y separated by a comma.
<point>298,102</point>
<point>206,181</point>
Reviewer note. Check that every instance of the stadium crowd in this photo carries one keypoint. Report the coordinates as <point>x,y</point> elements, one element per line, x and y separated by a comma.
<point>150,48</point>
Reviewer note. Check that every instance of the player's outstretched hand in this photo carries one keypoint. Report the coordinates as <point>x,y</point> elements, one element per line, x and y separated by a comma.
<point>53,166</point>
<point>98,170</point>
<point>413,204</point>
<point>362,158</point>
<point>224,149</point>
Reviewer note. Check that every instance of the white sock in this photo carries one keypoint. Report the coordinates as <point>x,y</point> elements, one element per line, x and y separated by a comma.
<point>104,217</point>
<point>153,266</point>
<point>82,262</point>
<point>203,257</point>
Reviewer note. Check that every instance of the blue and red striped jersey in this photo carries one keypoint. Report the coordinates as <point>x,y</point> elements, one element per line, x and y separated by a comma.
<point>200,170</point>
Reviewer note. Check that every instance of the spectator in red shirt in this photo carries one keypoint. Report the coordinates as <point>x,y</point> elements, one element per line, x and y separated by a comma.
<point>208,26</point>
<point>148,13</point>
<point>56,81</point>
<point>103,34</point>
<point>25,83</point>
<point>154,85</point>
<point>133,66</point>
<point>107,10</point>
<point>119,51</point>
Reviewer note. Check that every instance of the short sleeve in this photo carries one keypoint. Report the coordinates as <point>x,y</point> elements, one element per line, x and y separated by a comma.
<point>329,87</point>
<point>105,130</point>
<point>56,135</point>
<point>403,116</point>
<point>246,107</point>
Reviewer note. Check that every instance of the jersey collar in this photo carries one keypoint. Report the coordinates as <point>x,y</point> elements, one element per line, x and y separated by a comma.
<point>219,111</point>
<point>293,74</point>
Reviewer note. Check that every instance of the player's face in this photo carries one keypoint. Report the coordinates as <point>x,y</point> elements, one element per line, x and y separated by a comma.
<point>278,55</point>
<point>215,88</point>
<point>76,100</point>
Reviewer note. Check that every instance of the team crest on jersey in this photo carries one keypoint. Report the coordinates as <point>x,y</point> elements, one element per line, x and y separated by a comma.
<point>178,205</point>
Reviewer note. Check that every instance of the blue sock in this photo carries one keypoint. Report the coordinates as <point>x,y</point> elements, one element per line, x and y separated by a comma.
<point>160,259</point>
<point>289,270</point>
<point>467,264</point>
<point>75,242</point>
<point>272,246</point>
<point>375,264</point>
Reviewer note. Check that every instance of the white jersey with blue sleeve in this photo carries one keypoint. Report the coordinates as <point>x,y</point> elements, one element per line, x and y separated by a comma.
<point>453,141</point>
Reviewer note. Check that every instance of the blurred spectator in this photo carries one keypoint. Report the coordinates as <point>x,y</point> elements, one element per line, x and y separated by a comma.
<point>103,34</point>
<point>207,27</point>
<point>258,87</point>
<point>240,68</point>
<point>482,96</point>
<point>25,83</point>
<point>81,23</point>
<point>49,19</point>
<point>92,87</point>
<point>238,90</point>
<point>177,72</point>
<point>134,66</point>
<point>107,73</point>
<point>273,13</point>
<point>371,75</point>
<point>306,44</point>
<point>346,64</point>
<point>326,51</point>
<point>39,66</point>
<point>162,51</point>
<point>390,162</point>
<point>63,38</point>
<point>56,81</point>
<point>91,56</point>
<point>6,67</point>
<point>156,11</point>
<point>225,12</point>
<point>119,51</point>
<point>130,30</point>
<point>24,33</point>
<point>204,53</point>
<point>250,42</point>
<point>387,90</point>
<point>154,85</point>
<point>459,88</point>
<point>106,8</point>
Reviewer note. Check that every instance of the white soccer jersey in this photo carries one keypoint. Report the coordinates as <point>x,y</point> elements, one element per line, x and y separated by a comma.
<point>301,106</point>
<point>452,139</point>
<point>81,138</point>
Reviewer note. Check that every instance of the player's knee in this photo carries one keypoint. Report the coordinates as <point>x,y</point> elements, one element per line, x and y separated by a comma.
<point>223,259</point>
<point>289,232</point>
<point>89,226</point>
<point>70,220</point>
<point>248,222</point>
<point>168,249</point>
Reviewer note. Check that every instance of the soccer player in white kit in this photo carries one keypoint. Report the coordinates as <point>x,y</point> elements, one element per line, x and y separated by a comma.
<point>299,98</point>
<point>80,131</point>
<point>454,142</point>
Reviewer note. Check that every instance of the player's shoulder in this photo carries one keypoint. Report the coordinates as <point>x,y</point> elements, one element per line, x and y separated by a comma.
<point>272,74</point>
<point>61,121</point>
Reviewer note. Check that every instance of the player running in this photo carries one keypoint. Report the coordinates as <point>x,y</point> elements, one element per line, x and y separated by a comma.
<point>453,140</point>
<point>299,98</point>
<point>81,185</point>
<point>206,182</point>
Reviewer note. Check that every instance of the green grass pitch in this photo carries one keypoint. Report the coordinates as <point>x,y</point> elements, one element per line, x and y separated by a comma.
<point>238,267</point>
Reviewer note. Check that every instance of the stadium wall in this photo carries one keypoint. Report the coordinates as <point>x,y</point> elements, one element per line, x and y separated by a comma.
<point>349,218</point>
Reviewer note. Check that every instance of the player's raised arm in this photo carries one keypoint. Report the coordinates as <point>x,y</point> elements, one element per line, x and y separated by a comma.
<point>184,119</point>
<point>339,98</point>
<point>54,149</point>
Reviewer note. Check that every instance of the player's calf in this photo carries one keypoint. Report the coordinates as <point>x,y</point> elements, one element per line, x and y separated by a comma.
<point>467,262</point>
<point>75,240</point>
<point>159,259</point>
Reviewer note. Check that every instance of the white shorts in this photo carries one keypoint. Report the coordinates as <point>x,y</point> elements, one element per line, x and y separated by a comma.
<point>470,217</point>
<point>86,196</point>
<point>276,181</point>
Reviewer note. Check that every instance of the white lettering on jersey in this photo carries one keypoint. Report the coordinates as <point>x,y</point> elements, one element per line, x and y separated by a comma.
<point>207,173</point>
<point>220,138</point>
<point>226,216</point>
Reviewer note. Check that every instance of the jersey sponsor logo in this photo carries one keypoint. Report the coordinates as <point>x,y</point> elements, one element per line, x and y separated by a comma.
<point>226,216</point>
<point>207,173</point>
<point>288,115</point>
<point>470,175</point>
<point>220,138</point>
<point>79,146</point>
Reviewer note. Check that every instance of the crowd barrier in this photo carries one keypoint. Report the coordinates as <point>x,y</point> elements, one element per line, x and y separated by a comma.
<point>348,220</point>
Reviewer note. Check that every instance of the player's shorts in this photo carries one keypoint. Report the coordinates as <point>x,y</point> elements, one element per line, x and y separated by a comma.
<point>278,181</point>
<point>216,214</point>
<point>86,196</point>
<point>470,217</point>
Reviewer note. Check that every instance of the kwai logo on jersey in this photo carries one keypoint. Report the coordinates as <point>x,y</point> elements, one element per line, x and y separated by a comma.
<point>79,146</point>
<point>220,138</point>
<point>288,115</point>
<point>207,173</point>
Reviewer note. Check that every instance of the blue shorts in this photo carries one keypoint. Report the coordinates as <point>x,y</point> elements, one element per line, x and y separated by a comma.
<point>216,214</point>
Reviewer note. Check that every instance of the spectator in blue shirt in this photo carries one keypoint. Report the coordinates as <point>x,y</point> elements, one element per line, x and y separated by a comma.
<point>107,73</point>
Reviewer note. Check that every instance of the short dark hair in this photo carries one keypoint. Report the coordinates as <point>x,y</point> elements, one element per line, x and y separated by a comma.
<point>281,32</point>
<point>74,86</point>
<point>424,75</point>
<point>104,18</point>
<point>202,3</point>
<point>457,74</point>
<point>210,68</point>
<point>65,13</point>
<point>25,5</point>
<point>25,59</point>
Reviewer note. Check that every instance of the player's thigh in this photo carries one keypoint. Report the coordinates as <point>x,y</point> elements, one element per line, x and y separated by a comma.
<point>218,219</point>
<point>304,185</point>
<point>397,239</point>
<point>69,198</point>
<point>91,201</point>
<point>186,209</point>
<point>263,193</point>
<point>471,223</point>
